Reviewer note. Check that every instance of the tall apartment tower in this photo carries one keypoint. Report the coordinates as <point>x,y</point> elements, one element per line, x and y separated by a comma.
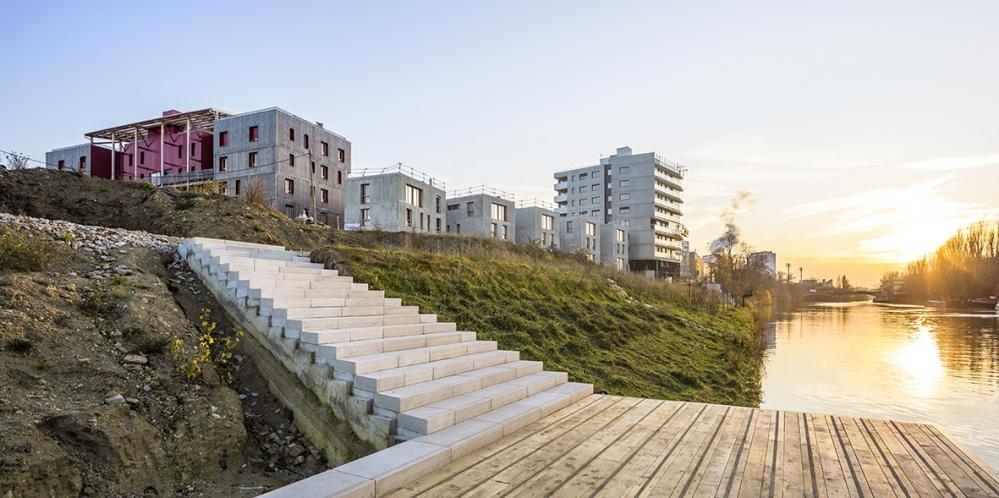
<point>395,199</point>
<point>641,193</point>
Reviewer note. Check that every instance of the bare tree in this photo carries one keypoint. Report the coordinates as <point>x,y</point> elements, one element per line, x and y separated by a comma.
<point>15,160</point>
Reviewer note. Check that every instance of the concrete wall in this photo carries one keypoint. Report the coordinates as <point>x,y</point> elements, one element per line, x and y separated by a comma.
<point>274,166</point>
<point>573,236</point>
<point>480,222</point>
<point>613,245</point>
<point>530,229</point>
<point>70,156</point>
<point>388,207</point>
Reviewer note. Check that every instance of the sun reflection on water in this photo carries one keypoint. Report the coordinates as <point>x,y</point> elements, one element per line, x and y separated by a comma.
<point>918,361</point>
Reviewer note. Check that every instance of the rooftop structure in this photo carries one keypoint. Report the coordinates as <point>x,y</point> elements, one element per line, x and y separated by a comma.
<point>395,199</point>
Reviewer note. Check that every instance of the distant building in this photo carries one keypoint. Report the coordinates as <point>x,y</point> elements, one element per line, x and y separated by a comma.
<point>691,263</point>
<point>299,164</point>
<point>580,235</point>
<point>613,245</point>
<point>395,199</point>
<point>535,224</point>
<point>767,260</point>
<point>481,211</point>
<point>643,192</point>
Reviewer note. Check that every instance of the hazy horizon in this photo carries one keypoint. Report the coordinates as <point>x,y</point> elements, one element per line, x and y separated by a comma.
<point>866,133</point>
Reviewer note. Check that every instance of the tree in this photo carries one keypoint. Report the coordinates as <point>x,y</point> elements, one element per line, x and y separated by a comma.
<point>15,160</point>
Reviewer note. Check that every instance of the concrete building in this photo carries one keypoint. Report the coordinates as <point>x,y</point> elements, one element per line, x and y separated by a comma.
<point>643,192</point>
<point>300,164</point>
<point>579,234</point>
<point>767,260</point>
<point>613,245</point>
<point>535,224</point>
<point>481,211</point>
<point>691,263</point>
<point>395,199</point>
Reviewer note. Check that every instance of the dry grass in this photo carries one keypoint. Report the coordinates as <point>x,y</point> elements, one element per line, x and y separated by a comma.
<point>256,194</point>
<point>18,252</point>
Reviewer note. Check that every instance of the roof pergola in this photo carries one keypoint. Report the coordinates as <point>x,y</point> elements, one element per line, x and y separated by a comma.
<point>201,120</point>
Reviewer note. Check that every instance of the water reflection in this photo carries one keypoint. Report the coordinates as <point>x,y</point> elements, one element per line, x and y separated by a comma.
<point>906,363</point>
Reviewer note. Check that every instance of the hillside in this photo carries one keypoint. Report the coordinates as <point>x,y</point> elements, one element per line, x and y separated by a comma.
<point>625,334</point>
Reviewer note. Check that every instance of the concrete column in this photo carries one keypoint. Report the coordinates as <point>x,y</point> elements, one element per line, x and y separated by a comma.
<point>135,156</point>
<point>112,156</point>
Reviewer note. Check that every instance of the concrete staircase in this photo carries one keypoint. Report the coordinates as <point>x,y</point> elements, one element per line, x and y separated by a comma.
<point>393,372</point>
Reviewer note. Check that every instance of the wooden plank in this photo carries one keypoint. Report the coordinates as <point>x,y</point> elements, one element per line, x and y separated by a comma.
<point>641,466</point>
<point>615,457</point>
<point>868,463</point>
<point>983,474</point>
<point>904,464</point>
<point>848,459</point>
<point>750,482</point>
<point>505,471</point>
<point>812,452</point>
<point>674,471</point>
<point>559,466</point>
<point>442,482</point>
<point>735,468</point>
<point>837,483</point>
<point>794,476</point>
<point>714,471</point>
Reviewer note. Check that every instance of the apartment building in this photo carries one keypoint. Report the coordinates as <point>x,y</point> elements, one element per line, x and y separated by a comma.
<point>395,199</point>
<point>535,224</point>
<point>481,211</point>
<point>300,165</point>
<point>613,242</point>
<point>579,234</point>
<point>642,192</point>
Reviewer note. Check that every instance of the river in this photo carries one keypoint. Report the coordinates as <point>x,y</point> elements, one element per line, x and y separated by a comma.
<point>906,363</point>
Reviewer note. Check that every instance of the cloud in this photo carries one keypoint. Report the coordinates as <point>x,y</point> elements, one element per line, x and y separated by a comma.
<point>952,163</point>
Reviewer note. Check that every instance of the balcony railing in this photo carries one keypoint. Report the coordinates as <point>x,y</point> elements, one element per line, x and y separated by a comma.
<point>671,195</point>
<point>560,186</point>
<point>673,166</point>
<point>538,203</point>
<point>191,177</point>
<point>401,168</point>
<point>671,181</point>
<point>481,189</point>
<point>562,198</point>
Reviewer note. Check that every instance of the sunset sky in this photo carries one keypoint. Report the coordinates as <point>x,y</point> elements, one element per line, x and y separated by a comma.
<point>866,131</point>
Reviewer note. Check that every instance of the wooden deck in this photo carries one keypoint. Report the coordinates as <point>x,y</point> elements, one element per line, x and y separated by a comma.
<point>616,447</point>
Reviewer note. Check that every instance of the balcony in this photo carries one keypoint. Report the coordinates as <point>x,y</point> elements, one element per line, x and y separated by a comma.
<point>668,180</point>
<point>561,186</point>
<point>561,198</point>
<point>677,232</point>
<point>671,195</point>
<point>192,177</point>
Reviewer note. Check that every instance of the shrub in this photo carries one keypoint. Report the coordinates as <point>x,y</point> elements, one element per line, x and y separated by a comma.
<point>67,238</point>
<point>19,253</point>
<point>213,348</point>
<point>147,186</point>
<point>256,194</point>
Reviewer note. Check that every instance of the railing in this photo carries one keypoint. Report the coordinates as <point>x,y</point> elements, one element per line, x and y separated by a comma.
<point>562,186</point>
<point>481,189</point>
<point>673,181</point>
<point>401,168</point>
<point>193,176</point>
<point>671,165</point>
<point>538,203</point>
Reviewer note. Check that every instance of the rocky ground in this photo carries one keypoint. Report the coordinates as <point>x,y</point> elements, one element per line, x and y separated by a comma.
<point>93,397</point>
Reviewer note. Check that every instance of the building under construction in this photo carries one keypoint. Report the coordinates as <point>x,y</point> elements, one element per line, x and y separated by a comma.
<point>298,163</point>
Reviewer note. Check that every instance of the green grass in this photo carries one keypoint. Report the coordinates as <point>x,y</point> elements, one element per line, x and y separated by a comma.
<point>629,336</point>
<point>20,253</point>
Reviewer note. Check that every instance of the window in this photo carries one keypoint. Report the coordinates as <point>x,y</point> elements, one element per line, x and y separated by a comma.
<point>620,263</point>
<point>437,205</point>
<point>624,197</point>
<point>339,177</point>
<point>409,217</point>
<point>624,170</point>
<point>365,216</point>
<point>341,155</point>
<point>252,162</point>
<point>438,225</point>
<point>591,229</point>
<point>595,187</point>
<point>291,134</point>
<point>62,164</point>
<point>289,186</point>
<point>289,209</point>
<point>142,157</point>
<point>324,218</point>
<point>547,222</point>
<point>595,200</point>
<point>582,176</point>
<point>312,166</point>
<point>620,235</point>
<point>457,228</point>
<point>180,152</point>
<point>223,162</point>
<point>470,209</point>
<point>595,174</point>
<point>582,189</point>
<point>254,134</point>
<point>324,173</point>
<point>324,196</point>
<point>305,140</point>
<point>414,196</point>
<point>503,232</point>
<point>365,193</point>
<point>291,160</point>
<point>83,162</point>
<point>623,210</point>
<point>624,183</point>
<point>194,147</point>
<point>493,230</point>
<point>568,227</point>
<point>223,138</point>
<point>582,202</point>
<point>421,221</point>
<point>325,148</point>
<point>453,207</point>
<point>237,187</point>
<point>498,212</point>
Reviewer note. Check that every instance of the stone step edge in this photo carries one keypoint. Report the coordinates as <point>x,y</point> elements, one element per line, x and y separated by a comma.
<point>387,470</point>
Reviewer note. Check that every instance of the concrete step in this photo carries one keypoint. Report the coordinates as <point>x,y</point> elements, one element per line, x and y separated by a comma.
<point>267,305</point>
<point>491,366</point>
<point>439,415</point>
<point>358,365</point>
<point>297,292</point>
<point>340,312</point>
<point>387,305</point>
<point>394,401</point>
<point>315,337</point>
<point>242,275</point>
<point>327,353</point>
<point>293,262</point>
<point>294,327</point>
<point>254,282</point>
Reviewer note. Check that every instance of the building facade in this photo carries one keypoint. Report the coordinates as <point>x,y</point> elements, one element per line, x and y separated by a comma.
<point>642,192</point>
<point>766,260</point>
<point>614,245</point>
<point>580,235</point>
<point>481,212</point>
<point>395,199</point>
<point>536,225</point>
<point>299,164</point>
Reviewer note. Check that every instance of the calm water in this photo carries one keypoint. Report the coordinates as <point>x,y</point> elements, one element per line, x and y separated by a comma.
<point>905,363</point>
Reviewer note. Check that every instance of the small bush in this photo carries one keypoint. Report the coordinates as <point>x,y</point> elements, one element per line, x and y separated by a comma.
<point>213,348</point>
<point>147,186</point>
<point>19,253</point>
<point>19,345</point>
<point>256,194</point>
<point>67,238</point>
<point>119,280</point>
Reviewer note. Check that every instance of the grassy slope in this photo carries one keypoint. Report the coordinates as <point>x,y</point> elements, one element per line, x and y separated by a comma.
<point>630,336</point>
